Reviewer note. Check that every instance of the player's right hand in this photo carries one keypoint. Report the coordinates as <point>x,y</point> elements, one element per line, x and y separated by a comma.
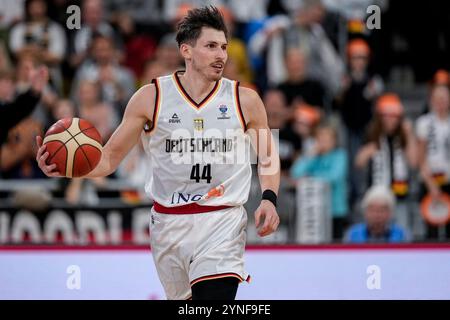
<point>41,158</point>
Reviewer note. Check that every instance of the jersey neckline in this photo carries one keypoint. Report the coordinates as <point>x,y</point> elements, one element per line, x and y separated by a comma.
<point>187,97</point>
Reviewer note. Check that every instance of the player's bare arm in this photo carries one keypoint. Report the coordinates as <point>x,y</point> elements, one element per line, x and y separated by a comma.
<point>268,159</point>
<point>138,111</point>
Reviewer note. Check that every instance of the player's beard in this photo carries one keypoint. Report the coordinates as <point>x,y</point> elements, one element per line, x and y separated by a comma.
<point>207,72</point>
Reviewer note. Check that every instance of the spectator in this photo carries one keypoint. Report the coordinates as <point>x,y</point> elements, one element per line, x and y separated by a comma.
<point>306,120</point>
<point>12,12</point>
<point>433,132</point>
<point>117,82</point>
<point>134,170</point>
<point>5,62</point>
<point>441,77</point>
<point>278,116</point>
<point>298,85</point>
<point>328,163</point>
<point>17,148</point>
<point>11,113</point>
<point>237,52</point>
<point>152,70</point>
<point>93,22</point>
<point>137,47</point>
<point>26,65</point>
<point>19,151</point>
<point>303,31</point>
<point>390,154</point>
<point>57,11</point>
<point>168,54</point>
<point>39,35</point>
<point>7,87</point>
<point>171,8</point>
<point>145,13</point>
<point>99,113</point>
<point>64,108</point>
<point>359,90</point>
<point>378,206</point>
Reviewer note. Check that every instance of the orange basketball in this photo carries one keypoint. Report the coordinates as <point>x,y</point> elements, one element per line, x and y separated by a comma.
<point>74,145</point>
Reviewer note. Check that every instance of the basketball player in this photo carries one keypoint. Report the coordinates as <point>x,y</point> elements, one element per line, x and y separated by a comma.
<point>198,221</point>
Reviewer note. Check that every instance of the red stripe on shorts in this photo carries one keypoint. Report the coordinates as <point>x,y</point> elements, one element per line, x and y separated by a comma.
<point>187,208</point>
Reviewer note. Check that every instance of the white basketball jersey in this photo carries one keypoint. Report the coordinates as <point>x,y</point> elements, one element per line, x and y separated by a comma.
<point>199,151</point>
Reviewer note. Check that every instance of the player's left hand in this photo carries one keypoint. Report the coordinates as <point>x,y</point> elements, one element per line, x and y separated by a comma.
<point>267,212</point>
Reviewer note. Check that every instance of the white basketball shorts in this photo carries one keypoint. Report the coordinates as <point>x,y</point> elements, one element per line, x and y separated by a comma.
<point>188,248</point>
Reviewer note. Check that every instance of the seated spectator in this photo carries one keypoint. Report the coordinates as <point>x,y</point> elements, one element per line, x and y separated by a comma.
<point>378,207</point>
<point>39,35</point>
<point>390,154</point>
<point>433,132</point>
<point>117,83</point>
<point>298,85</point>
<point>328,163</point>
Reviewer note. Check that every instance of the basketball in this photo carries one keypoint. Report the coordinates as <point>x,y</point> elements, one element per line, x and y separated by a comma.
<point>74,145</point>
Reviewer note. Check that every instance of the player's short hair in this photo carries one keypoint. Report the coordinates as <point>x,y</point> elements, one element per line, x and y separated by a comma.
<point>190,27</point>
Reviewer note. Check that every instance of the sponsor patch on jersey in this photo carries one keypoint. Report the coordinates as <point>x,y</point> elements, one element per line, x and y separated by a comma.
<point>215,192</point>
<point>174,119</point>
<point>223,112</point>
<point>198,124</point>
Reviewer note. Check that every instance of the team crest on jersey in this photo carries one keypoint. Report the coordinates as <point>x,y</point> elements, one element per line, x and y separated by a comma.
<point>223,112</point>
<point>174,119</point>
<point>198,124</point>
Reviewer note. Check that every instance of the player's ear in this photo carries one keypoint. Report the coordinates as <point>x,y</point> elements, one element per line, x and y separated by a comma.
<point>186,50</point>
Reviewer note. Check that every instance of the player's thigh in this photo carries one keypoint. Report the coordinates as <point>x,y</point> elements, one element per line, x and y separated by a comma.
<point>220,247</point>
<point>171,264</point>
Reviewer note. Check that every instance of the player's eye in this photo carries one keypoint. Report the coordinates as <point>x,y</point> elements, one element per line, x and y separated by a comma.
<point>211,45</point>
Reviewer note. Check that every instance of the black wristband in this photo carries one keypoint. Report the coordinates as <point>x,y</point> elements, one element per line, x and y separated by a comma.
<point>270,195</point>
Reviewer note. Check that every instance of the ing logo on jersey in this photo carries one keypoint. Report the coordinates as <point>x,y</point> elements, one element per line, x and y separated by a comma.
<point>223,112</point>
<point>198,124</point>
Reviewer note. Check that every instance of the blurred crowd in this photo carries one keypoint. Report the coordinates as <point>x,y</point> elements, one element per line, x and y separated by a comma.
<point>324,77</point>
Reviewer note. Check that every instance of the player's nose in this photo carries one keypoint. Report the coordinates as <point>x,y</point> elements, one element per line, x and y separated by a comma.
<point>222,55</point>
